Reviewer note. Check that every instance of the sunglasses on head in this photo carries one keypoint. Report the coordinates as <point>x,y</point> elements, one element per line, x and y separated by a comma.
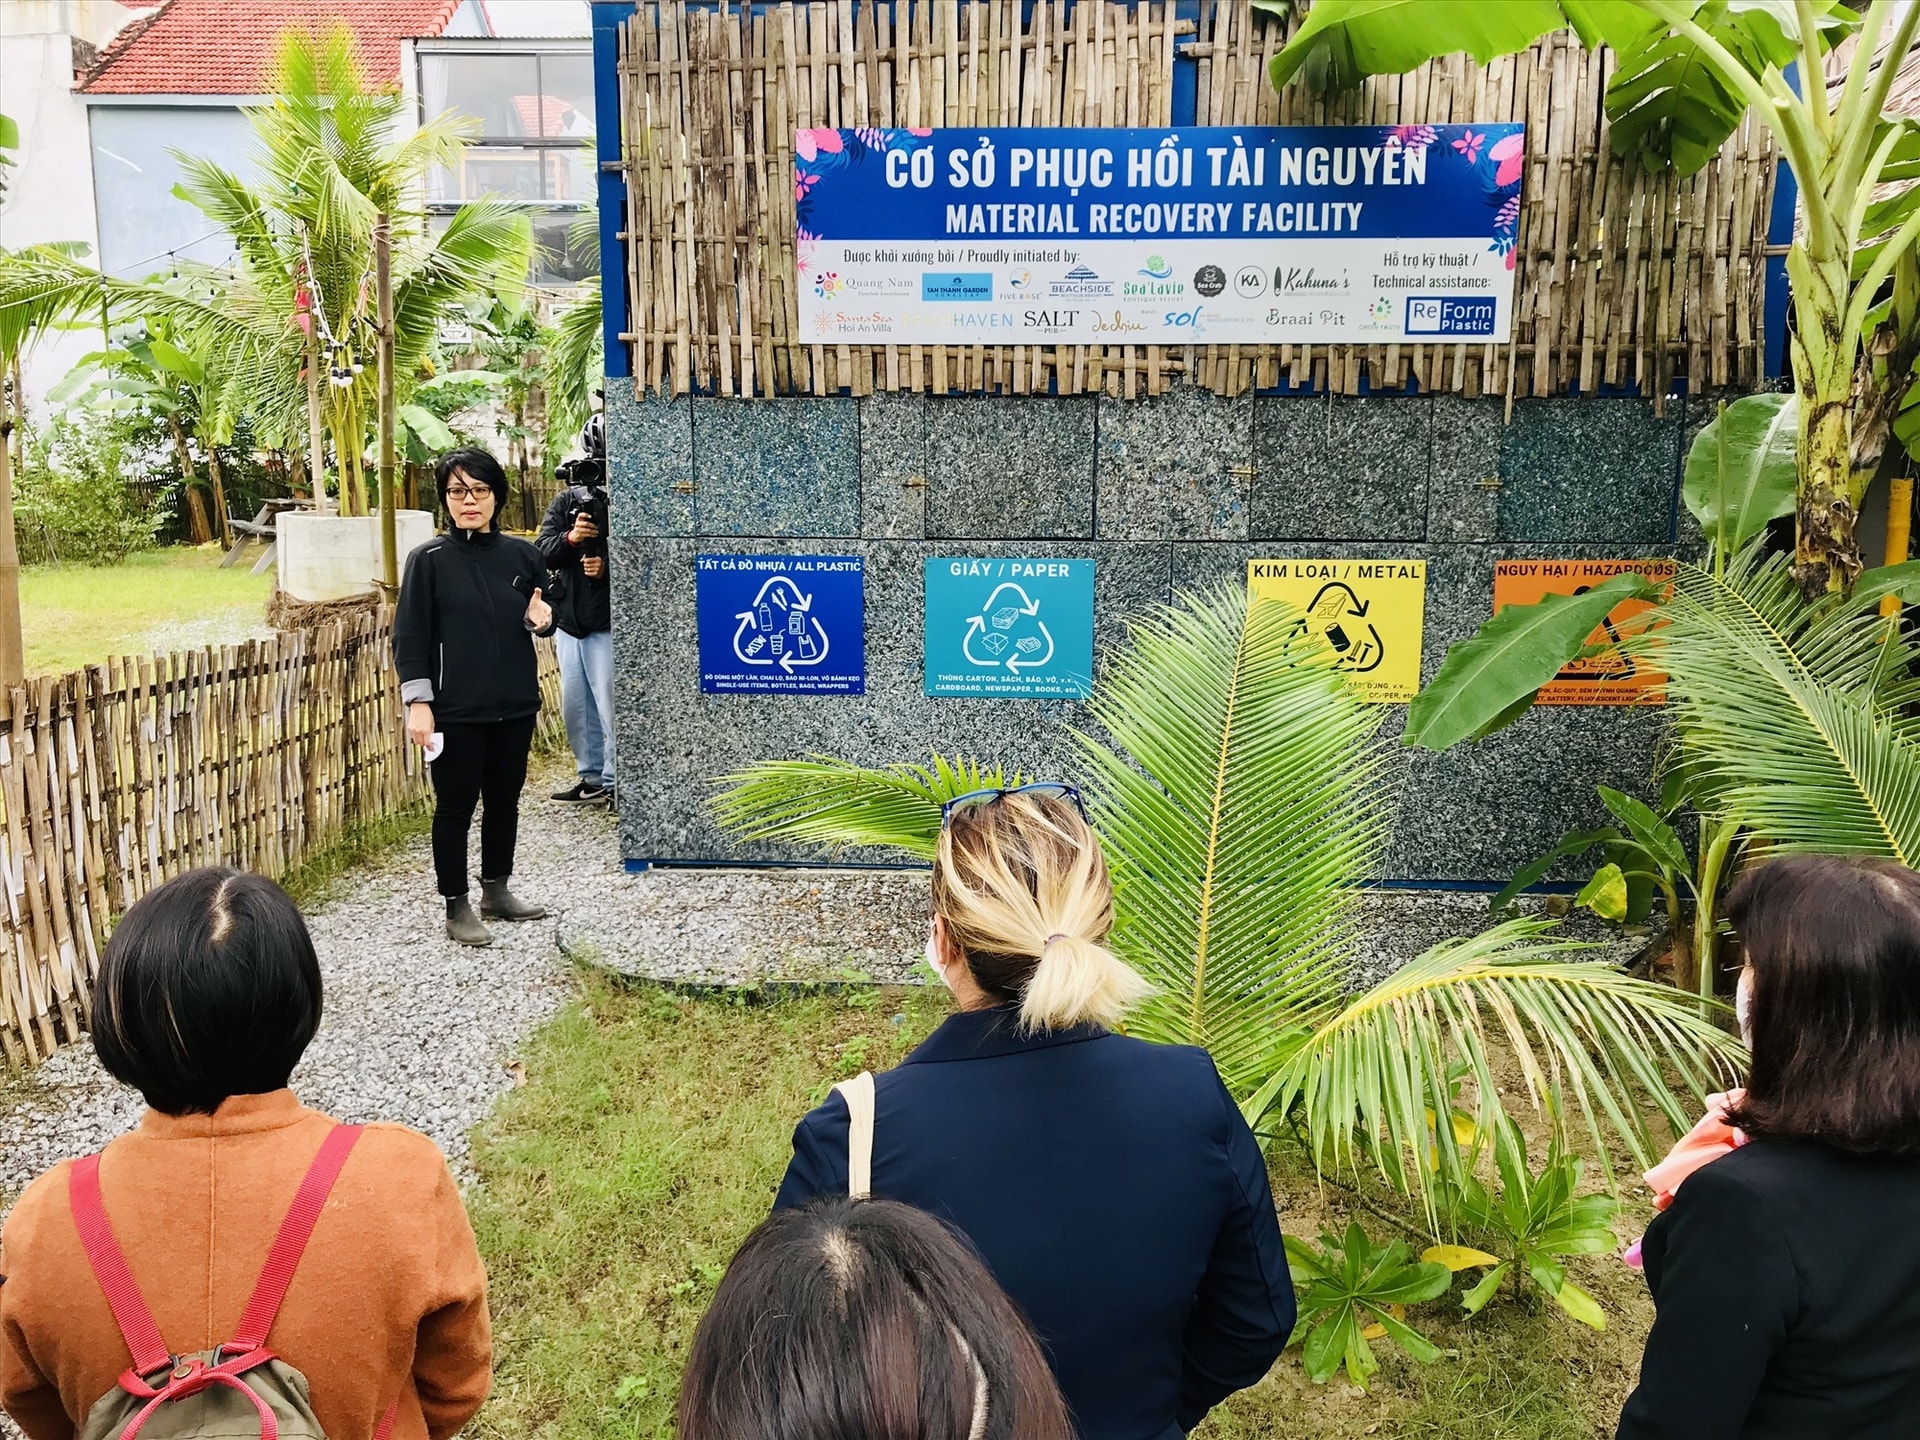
<point>1057,789</point>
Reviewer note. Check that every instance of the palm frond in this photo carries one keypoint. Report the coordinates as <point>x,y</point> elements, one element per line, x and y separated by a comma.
<point>827,802</point>
<point>1370,1080</point>
<point>487,248</point>
<point>1791,718</point>
<point>575,362</point>
<point>41,287</point>
<point>1245,809</point>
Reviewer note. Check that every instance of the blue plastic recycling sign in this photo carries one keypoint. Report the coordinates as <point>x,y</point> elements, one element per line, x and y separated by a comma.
<point>781,623</point>
<point>1012,627</point>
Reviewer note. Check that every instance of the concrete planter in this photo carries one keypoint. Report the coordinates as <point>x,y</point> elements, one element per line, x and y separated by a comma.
<point>331,557</point>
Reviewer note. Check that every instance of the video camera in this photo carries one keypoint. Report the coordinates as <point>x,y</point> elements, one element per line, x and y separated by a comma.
<point>588,474</point>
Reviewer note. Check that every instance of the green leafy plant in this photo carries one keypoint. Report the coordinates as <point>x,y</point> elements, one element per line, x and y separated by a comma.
<point>1686,73</point>
<point>1236,792</point>
<point>1353,1290</point>
<point>73,503</point>
<point>1535,1222</point>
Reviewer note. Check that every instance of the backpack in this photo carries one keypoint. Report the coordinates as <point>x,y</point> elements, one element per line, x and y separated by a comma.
<point>237,1391</point>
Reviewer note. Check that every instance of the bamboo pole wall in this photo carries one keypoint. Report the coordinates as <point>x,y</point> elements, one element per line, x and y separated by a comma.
<point>1623,279</point>
<point>116,778</point>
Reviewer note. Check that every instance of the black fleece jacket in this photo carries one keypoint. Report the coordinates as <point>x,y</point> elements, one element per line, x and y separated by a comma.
<point>460,635</point>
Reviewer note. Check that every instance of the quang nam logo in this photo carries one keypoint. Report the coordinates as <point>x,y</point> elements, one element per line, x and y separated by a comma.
<point>828,282</point>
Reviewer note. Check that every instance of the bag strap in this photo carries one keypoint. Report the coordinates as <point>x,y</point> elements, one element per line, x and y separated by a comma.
<point>858,1095</point>
<point>291,1243</point>
<point>109,1264</point>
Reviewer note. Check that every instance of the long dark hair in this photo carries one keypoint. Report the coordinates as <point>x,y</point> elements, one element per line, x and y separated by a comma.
<point>1835,1018</point>
<point>864,1320</point>
<point>209,988</point>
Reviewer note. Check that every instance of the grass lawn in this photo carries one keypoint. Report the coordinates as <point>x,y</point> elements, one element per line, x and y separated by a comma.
<point>649,1138</point>
<point>172,599</point>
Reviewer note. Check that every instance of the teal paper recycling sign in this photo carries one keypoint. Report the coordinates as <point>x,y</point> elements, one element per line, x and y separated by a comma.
<point>1010,627</point>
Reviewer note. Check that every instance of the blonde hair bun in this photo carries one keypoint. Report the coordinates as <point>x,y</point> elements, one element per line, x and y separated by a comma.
<point>1024,890</point>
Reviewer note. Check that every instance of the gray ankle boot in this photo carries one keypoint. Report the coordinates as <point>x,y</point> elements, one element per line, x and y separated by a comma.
<point>463,925</point>
<point>498,903</point>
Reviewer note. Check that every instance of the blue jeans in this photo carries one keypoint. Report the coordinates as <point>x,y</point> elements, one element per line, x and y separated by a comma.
<point>586,702</point>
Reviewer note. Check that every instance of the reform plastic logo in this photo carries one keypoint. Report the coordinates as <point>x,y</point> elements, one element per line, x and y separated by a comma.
<point>1443,315</point>
<point>950,285</point>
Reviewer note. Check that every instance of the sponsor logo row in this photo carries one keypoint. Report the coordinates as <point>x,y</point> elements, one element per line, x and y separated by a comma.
<point>1424,315</point>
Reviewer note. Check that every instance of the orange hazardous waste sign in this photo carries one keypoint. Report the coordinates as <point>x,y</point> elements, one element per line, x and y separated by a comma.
<point>1606,677</point>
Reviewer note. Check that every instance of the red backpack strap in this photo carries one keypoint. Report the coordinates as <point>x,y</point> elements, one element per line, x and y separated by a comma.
<point>110,1268</point>
<point>291,1243</point>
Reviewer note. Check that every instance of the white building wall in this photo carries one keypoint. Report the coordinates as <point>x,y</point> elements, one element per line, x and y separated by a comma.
<point>50,187</point>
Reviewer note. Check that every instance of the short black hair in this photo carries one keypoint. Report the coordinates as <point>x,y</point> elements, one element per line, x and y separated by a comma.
<point>475,464</point>
<point>209,988</point>
<point>860,1320</point>
<point>1835,1018</point>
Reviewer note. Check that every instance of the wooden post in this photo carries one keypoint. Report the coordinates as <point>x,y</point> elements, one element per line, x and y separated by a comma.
<point>383,285</point>
<point>316,430</point>
<point>13,649</point>
<point>219,496</point>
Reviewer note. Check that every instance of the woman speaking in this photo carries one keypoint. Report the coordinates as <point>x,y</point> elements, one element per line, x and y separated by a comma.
<point>469,608</point>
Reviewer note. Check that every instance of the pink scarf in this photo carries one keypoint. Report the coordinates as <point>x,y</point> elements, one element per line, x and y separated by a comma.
<point>1705,1143</point>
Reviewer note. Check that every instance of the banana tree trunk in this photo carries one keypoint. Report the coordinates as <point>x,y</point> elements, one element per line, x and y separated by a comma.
<point>197,525</point>
<point>1826,547</point>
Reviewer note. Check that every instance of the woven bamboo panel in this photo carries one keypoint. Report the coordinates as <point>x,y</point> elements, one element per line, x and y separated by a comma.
<point>1623,278</point>
<point>116,778</point>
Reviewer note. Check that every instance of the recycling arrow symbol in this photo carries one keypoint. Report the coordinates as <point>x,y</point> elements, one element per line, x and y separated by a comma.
<point>1340,615</point>
<point>987,632</point>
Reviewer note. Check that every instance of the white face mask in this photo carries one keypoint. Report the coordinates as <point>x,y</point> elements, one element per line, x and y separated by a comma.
<point>933,958</point>
<point>1743,1005</point>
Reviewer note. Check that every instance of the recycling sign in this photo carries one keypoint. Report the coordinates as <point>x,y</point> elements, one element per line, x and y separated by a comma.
<point>774,623</point>
<point>1011,627</point>
<point>1369,612</point>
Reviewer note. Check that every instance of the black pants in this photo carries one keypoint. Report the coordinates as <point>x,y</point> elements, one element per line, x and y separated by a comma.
<point>484,765</point>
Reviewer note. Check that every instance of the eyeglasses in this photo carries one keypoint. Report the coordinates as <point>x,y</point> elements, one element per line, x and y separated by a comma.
<point>468,492</point>
<point>1059,790</point>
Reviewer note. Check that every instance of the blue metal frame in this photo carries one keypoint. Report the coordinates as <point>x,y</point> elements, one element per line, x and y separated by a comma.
<point>1786,199</point>
<point>608,16</point>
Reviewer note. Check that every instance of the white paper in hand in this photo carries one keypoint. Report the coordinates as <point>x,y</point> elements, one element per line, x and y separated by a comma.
<point>436,742</point>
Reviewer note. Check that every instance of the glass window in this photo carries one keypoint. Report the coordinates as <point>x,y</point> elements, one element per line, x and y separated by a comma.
<point>555,262</point>
<point>500,91</point>
<point>566,90</point>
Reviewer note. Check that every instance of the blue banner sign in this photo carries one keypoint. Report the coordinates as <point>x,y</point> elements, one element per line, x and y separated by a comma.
<point>1010,627</point>
<point>1250,235</point>
<point>781,623</point>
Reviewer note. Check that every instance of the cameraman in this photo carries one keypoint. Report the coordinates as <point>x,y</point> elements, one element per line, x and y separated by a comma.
<point>573,540</point>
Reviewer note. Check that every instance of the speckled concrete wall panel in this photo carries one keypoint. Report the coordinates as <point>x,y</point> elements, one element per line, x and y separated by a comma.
<point>673,738</point>
<point>1010,468</point>
<point>650,463</point>
<point>1341,468</point>
<point>1477,812</point>
<point>893,466</point>
<point>1599,469</point>
<point>777,467</point>
<point>1463,496</point>
<point>1178,465</point>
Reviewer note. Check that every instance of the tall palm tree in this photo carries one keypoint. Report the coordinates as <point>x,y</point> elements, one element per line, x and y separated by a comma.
<point>1239,803</point>
<point>288,326</point>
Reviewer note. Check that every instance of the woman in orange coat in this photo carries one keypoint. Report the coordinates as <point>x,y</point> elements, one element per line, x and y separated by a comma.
<point>207,996</point>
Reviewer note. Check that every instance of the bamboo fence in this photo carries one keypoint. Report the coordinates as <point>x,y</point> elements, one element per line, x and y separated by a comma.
<point>118,777</point>
<point>1623,279</point>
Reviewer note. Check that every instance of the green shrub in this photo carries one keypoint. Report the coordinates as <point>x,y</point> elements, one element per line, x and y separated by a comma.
<point>72,500</point>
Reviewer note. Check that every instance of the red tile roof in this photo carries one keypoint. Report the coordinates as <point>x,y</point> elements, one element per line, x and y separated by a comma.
<point>222,47</point>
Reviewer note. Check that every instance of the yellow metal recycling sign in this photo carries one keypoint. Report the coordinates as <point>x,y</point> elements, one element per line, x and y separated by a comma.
<point>1369,611</point>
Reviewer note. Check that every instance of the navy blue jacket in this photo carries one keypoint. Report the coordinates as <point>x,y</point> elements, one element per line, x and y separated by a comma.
<point>1111,1186</point>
